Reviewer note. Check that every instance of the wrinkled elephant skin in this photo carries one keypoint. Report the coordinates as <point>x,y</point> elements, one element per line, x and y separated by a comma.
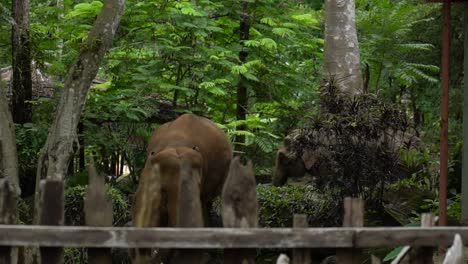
<point>191,139</point>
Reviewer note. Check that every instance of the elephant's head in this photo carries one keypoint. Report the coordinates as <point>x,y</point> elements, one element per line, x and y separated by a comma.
<point>288,164</point>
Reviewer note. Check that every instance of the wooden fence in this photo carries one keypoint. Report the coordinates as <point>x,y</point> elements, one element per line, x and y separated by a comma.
<point>349,240</point>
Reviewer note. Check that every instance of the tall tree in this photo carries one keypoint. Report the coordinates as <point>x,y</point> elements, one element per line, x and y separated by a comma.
<point>21,63</point>
<point>242,96</point>
<point>8,165</point>
<point>8,155</point>
<point>341,48</point>
<point>58,149</point>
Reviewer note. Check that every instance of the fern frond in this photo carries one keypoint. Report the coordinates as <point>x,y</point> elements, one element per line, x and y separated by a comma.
<point>415,47</point>
<point>268,21</point>
<point>283,32</point>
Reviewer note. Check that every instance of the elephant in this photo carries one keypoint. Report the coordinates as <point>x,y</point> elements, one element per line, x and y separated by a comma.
<point>166,196</point>
<point>317,158</point>
<point>288,165</point>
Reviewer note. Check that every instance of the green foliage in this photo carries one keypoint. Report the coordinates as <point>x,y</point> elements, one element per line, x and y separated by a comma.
<point>187,53</point>
<point>74,215</point>
<point>85,9</point>
<point>387,44</point>
<point>74,206</point>
<point>393,254</point>
<point>279,204</point>
<point>364,128</point>
<point>432,206</point>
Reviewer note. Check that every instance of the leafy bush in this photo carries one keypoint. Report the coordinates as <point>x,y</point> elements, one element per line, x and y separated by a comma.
<point>356,142</point>
<point>74,202</point>
<point>277,205</point>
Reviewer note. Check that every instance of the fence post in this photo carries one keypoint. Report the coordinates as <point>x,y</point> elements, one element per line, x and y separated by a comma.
<point>52,213</point>
<point>7,213</point>
<point>423,255</point>
<point>353,217</point>
<point>98,212</point>
<point>301,255</point>
<point>375,260</point>
<point>189,211</point>
<point>240,207</point>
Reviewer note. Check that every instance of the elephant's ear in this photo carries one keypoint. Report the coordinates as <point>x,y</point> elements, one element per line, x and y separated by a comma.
<point>309,158</point>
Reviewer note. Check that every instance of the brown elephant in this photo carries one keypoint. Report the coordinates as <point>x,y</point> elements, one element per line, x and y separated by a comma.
<point>318,160</point>
<point>287,165</point>
<point>167,197</point>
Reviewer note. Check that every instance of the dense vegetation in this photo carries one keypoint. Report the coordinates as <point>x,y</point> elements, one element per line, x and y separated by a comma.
<point>190,56</point>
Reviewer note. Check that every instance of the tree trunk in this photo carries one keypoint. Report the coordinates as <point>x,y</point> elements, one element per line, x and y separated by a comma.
<point>242,99</point>
<point>8,154</point>
<point>21,63</point>
<point>58,149</point>
<point>8,170</point>
<point>341,48</point>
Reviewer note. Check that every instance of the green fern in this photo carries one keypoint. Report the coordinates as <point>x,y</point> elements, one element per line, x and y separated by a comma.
<point>268,21</point>
<point>5,15</point>
<point>268,43</point>
<point>415,47</point>
<point>283,32</point>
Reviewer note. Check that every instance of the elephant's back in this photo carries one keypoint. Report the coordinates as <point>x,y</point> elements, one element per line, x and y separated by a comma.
<point>190,130</point>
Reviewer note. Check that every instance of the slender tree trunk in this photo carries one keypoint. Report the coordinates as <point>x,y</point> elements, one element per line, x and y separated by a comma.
<point>8,155</point>
<point>21,63</point>
<point>242,98</point>
<point>341,48</point>
<point>58,149</point>
<point>9,181</point>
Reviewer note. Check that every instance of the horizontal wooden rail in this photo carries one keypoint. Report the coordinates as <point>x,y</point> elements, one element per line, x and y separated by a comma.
<point>127,237</point>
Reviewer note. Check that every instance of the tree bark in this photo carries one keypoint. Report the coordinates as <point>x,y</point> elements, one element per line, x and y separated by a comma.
<point>242,98</point>
<point>341,48</point>
<point>58,149</point>
<point>8,155</point>
<point>21,63</point>
<point>10,189</point>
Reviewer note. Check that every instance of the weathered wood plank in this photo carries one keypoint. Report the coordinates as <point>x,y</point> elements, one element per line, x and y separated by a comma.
<point>98,212</point>
<point>7,212</point>
<point>301,255</point>
<point>412,236</point>
<point>240,207</point>
<point>375,260</point>
<point>423,255</point>
<point>52,213</point>
<point>123,237</point>
<point>353,217</point>
<point>130,237</point>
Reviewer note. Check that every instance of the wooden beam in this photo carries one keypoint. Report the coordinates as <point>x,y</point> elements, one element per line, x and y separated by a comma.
<point>129,237</point>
